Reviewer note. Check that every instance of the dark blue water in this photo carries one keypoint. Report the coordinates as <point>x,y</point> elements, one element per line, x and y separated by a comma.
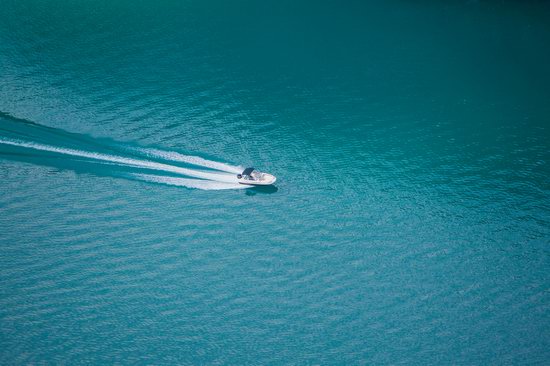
<point>410,222</point>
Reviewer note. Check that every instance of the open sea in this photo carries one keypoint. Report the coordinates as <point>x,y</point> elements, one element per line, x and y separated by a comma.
<point>410,220</point>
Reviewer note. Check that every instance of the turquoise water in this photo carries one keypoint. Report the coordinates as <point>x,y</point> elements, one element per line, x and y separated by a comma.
<point>410,223</point>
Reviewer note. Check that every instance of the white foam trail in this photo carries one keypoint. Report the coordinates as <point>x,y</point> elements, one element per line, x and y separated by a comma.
<point>195,160</point>
<point>189,183</point>
<point>219,177</point>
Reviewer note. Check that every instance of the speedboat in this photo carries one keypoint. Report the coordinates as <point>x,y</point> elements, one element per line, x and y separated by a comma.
<point>254,177</point>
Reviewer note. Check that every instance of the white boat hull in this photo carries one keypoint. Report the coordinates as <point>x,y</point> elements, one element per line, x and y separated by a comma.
<point>267,180</point>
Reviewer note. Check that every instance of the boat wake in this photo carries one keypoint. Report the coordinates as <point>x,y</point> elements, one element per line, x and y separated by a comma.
<point>144,164</point>
<point>195,160</point>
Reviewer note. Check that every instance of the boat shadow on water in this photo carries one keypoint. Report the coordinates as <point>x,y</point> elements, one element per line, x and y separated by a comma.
<point>261,190</point>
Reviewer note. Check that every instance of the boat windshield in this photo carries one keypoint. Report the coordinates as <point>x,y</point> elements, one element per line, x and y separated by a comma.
<point>256,175</point>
